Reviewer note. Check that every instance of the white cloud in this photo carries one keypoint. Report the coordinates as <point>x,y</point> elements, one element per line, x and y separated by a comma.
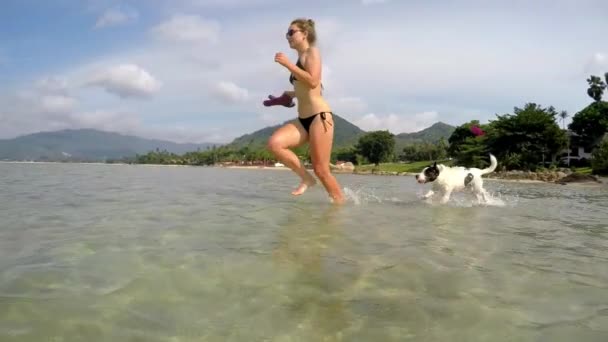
<point>181,133</point>
<point>26,113</point>
<point>126,80</point>
<point>421,58</point>
<point>58,103</point>
<point>52,85</point>
<point>271,117</point>
<point>188,28</point>
<point>230,93</point>
<point>597,64</point>
<point>349,105</point>
<point>47,96</point>
<point>116,16</point>
<point>119,121</point>
<point>396,123</point>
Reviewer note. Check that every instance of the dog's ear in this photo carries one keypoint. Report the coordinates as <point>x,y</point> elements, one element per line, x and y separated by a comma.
<point>435,164</point>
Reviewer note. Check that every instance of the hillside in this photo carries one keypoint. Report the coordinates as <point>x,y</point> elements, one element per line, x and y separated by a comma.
<point>95,145</point>
<point>84,145</point>
<point>430,134</point>
<point>345,134</point>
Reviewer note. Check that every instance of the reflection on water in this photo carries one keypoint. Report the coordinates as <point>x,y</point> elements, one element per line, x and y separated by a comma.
<point>134,253</point>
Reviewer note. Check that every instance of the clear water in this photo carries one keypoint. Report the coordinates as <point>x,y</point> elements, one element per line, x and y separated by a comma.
<point>152,253</point>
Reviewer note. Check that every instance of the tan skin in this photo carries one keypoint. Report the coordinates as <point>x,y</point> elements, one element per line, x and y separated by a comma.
<point>307,91</point>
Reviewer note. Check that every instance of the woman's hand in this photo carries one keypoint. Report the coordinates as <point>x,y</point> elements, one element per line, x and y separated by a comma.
<point>282,59</point>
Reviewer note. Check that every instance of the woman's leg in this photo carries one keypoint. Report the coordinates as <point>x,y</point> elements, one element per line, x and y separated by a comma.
<point>289,136</point>
<point>321,140</point>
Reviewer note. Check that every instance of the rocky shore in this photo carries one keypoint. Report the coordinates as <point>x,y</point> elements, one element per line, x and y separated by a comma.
<point>560,176</point>
<point>543,176</point>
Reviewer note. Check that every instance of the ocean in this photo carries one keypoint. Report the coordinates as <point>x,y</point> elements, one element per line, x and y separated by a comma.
<point>102,252</point>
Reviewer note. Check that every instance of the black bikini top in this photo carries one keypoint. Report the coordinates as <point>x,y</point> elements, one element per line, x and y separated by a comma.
<point>292,77</point>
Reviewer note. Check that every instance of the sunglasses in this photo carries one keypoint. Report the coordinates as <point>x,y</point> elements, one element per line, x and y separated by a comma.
<point>291,32</point>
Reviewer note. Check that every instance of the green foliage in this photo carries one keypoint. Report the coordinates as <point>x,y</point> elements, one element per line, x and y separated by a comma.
<point>425,151</point>
<point>466,148</point>
<point>596,87</point>
<point>512,161</point>
<point>159,157</point>
<point>211,156</point>
<point>401,167</point>
<point>563,115</point>
<point>348,154</point>
<point>473,152</point>
<point>376,146</point>
<point>599,163</point>
<point>591,123</point>
<point>461,135</point>
<point>530,136</point>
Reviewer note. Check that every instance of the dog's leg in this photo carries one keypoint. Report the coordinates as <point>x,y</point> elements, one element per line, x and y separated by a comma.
<point>484,195</point>
<point>480,197</point>
<point>480,193</point>
<point>445,196</point>
<point>428,194</point>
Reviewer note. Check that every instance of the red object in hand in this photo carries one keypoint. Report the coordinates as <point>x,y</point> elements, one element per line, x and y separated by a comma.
<point>283,100</point>
<point>477,131</point>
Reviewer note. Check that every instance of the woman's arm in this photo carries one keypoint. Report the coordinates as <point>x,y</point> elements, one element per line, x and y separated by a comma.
<point>312,75</point>
<point>290,93</point>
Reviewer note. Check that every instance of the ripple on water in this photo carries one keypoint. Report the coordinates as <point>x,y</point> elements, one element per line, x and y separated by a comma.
<point>188,254</point>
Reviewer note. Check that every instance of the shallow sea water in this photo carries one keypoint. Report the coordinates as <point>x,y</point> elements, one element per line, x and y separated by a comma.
<point>155,253</point>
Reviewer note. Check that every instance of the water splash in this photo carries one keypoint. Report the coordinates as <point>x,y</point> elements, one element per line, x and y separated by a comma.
<point>361,196</point>
<point>364,195</point>
<point>458,199</point>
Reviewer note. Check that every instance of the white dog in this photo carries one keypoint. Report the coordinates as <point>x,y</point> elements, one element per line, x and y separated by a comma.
<point>448,179</point>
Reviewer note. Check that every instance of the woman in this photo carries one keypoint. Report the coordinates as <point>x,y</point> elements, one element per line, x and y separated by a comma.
<point>315,119</point>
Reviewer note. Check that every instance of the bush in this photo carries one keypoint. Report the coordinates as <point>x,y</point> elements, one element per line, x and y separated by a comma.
<point>599,163</point>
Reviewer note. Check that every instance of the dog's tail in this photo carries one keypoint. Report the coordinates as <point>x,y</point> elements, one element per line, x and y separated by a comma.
<point>492,167</point>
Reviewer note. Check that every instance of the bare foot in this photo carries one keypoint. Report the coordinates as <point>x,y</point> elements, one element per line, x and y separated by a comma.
<point>339,200</point>
<point>304,186</point>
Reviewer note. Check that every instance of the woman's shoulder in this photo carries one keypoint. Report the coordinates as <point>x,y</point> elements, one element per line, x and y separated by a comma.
<point>312,50</point>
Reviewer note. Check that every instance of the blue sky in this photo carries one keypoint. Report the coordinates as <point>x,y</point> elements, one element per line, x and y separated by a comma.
<point>198,70</point>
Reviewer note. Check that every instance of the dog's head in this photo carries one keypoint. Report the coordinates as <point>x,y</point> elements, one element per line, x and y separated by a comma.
<point>429,174</point>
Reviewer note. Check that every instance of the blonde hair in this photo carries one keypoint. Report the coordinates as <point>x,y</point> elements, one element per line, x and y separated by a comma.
<point>308,26</point>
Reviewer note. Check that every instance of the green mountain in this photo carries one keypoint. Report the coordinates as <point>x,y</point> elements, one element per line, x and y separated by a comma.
<point>84,145</point>
<point>430,134</point>
<point>96,145</point>
<point>345,134</point>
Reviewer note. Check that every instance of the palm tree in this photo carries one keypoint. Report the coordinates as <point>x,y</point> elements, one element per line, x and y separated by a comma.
<point>563,115</point>
<point>596,87</point>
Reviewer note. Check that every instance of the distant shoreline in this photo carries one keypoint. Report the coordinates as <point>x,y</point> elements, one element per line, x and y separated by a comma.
<point>406,174</point>
<point>283,168</point>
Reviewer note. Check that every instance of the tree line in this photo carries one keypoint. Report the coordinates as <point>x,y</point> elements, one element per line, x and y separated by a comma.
<point>527,139</point>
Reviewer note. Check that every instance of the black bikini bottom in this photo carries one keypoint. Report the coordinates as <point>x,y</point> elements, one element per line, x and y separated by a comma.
<point>307,121</point>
